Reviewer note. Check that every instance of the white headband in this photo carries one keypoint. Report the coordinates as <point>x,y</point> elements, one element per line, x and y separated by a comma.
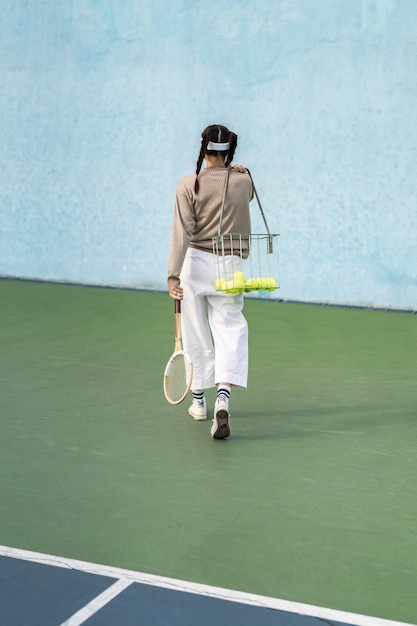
<point>218,146</point>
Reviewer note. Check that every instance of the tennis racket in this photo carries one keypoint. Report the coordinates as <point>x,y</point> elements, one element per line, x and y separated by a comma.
<point>178,374</point>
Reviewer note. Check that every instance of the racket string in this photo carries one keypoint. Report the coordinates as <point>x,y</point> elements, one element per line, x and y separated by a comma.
<point>177,379</point>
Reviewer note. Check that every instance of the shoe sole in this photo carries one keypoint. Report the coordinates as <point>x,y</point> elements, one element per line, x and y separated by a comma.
<point>223,428</point>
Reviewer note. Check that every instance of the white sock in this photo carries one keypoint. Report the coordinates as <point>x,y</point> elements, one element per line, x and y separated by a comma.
<point>223,393</point>
<point>198,397</point>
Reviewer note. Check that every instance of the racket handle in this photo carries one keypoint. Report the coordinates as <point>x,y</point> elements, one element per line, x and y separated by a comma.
<point>177,306</point>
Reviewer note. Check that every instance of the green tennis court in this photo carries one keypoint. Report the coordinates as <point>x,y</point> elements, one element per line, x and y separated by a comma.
<point>313,498</point>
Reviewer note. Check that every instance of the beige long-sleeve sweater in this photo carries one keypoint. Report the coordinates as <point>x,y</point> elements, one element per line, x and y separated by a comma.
<point>196,216</point>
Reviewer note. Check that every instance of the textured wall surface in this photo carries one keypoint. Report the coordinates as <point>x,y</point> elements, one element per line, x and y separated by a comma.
<point>102,104</point>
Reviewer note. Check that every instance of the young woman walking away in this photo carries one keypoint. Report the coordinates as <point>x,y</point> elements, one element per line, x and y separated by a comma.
<point>214,329</point>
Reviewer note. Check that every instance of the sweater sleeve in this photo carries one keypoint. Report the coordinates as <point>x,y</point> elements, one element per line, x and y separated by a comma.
<point>183,223</point>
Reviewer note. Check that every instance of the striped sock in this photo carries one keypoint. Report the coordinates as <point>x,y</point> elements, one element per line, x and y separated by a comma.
<point>198,396</point>
<point>223,393</point>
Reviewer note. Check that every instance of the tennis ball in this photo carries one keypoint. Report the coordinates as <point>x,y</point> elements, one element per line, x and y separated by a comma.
<point>257,283</point>
<point>239,276</point>
<point>229,286</point>
<point>237,286</point>
<point>221,284</point>
<point>272,284</point>
<point>249,286</point>
<point>267,283</point>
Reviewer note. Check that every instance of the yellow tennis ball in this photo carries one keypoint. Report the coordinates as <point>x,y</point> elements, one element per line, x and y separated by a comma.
<point>257,283</point>
<point>239,276</point>
<point>237,286</point>
<point>221,284</point>
<point>272,284</point>
<point>249,286</point>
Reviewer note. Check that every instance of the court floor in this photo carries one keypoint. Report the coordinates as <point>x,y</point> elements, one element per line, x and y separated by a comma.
<point>117,508</point>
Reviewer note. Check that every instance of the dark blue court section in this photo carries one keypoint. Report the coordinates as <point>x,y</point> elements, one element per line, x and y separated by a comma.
<point>155,606</point>
<point>33,594</point>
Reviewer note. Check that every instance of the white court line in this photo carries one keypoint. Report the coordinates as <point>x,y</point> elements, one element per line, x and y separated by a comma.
<point>200,589</point>
<point>97,603</point>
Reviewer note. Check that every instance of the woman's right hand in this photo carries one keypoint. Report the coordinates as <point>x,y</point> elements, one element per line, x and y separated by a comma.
<point>177,292</point>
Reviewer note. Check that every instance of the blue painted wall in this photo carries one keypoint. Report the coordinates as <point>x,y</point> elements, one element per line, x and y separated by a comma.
<point>102,103</point>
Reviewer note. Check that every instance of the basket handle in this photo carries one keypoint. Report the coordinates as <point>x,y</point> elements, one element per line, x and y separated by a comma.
<point>270,238</point>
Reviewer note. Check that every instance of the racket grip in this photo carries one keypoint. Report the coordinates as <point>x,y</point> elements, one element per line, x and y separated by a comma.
<point>177,306</point>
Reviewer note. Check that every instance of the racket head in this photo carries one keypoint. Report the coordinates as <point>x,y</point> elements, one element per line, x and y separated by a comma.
<point>178,377</point>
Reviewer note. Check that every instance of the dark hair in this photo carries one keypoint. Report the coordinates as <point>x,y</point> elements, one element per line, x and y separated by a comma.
<point>217,134</point>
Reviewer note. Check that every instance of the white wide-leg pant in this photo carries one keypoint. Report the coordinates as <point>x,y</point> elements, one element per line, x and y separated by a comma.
<point>214,329</point>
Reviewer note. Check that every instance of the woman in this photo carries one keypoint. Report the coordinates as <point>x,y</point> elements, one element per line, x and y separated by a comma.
<point>215,333</point>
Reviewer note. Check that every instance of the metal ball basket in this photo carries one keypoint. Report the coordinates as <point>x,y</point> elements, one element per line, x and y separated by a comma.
<point>245,262</point>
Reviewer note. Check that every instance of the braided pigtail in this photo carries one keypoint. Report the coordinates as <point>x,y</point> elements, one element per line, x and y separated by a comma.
<point>231,151</point>
<point>203,149</point>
